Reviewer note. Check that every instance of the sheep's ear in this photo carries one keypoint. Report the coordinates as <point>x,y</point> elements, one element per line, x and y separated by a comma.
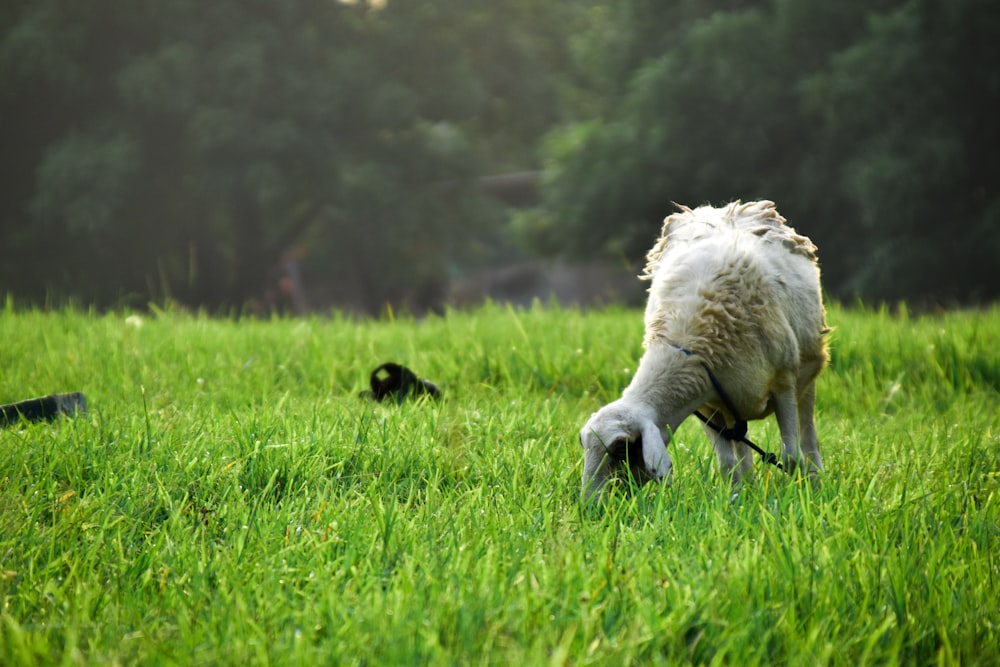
<point>654,451</point>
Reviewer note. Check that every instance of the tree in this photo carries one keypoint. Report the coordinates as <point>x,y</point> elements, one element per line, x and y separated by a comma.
<point>843,113</point>
<point>181,149</point>
<point>911,146</point>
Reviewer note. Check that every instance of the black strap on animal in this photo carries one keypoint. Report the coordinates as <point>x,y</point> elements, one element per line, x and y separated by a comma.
<point>395,381</point>
<point>739,430</point>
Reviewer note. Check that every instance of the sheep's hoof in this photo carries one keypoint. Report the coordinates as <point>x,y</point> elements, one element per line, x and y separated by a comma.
<point>663,473</point>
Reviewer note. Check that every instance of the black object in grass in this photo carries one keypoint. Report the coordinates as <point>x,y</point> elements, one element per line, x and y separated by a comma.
<point>397,382</point>
<point>43,408</point>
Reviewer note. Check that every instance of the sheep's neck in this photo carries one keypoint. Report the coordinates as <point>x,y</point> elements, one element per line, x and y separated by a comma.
<point>670,384</point>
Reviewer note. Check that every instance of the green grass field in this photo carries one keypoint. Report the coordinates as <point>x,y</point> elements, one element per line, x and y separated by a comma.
<point>230,499</point>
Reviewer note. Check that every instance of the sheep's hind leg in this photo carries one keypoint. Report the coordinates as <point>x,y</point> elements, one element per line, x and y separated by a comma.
<point>735,461</point>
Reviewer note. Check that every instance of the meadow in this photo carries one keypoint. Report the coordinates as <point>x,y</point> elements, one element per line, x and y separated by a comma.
<point>230,498</point>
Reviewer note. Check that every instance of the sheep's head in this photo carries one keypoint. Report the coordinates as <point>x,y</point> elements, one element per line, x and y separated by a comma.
<point>617,437</point>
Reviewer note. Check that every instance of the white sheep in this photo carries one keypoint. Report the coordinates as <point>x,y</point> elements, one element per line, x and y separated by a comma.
<point>735,292</point>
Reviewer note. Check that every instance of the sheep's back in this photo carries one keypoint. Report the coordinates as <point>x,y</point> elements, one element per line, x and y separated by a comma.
<point>728,285</point>
<point>759,218</point>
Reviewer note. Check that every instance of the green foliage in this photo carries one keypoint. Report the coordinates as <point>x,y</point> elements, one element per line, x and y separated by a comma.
<point>180,151</point>
<point>869,124</point>
<point>927,147</point>
<point>186,152</point>
<point>189,151</point>
<point>230,499</point>
<point>82,180</point>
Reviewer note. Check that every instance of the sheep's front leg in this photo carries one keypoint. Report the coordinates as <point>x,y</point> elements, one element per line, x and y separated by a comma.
<point>735,461</point>
<point>807,430</point>
<point>787,413</point>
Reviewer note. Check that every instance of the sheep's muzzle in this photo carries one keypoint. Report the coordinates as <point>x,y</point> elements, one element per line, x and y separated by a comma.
<point>626,451</point>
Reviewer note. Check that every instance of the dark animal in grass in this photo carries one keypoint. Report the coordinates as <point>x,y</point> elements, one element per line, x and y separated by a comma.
<point>45,408</point>
<point>397,383</point>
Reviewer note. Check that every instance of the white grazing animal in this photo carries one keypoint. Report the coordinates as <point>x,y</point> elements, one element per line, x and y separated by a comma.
<point>736,293</point>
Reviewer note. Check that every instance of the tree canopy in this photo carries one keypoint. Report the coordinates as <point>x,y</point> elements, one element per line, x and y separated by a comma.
<point>179,149</point>
<point>870,123</point>
<point>190,150</point>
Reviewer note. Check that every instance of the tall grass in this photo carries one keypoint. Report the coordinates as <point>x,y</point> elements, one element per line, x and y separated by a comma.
<point>230,499</point>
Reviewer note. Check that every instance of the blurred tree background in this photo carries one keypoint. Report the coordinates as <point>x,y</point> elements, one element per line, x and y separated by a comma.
<point>196,151</point>
<point>872,125</point>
